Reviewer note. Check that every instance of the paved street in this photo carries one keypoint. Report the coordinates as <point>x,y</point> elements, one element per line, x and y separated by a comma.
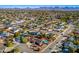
<point>25,49</point>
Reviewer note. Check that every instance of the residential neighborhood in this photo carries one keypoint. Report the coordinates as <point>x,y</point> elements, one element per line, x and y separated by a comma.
<point>38,31</point>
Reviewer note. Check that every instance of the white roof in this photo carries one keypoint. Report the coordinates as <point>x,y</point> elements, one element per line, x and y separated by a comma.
<point>17,30</point>
<point>10,28</point>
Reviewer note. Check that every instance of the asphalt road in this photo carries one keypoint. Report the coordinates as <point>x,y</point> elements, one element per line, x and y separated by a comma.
<point>25,49</point>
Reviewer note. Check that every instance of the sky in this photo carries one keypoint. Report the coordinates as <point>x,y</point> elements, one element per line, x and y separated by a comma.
<point>36,6</point>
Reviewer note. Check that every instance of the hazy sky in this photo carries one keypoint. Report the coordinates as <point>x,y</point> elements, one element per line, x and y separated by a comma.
<point>35,6</point>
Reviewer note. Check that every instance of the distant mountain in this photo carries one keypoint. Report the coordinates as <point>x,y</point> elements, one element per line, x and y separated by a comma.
<point>41,7</point>
<point>57,8</point>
